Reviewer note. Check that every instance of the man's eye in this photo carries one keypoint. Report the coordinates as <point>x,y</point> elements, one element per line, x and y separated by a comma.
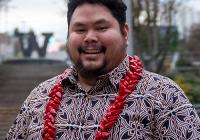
<point>104,28</point>
<point>80,30</point>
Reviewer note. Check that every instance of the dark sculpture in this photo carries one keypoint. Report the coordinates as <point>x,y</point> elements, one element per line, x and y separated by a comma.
<point>28,43</point>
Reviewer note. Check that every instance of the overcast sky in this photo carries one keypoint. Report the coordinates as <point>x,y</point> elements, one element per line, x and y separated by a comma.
<point>38,15</point>
<point>44,16</point>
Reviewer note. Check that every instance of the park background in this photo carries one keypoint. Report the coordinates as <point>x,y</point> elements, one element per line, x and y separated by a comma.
<point>33,33</point>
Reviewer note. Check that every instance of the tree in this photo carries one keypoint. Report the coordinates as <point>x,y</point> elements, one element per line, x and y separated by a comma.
<point>192,43</point>
<point>153,41</point>
<point>3,3</point>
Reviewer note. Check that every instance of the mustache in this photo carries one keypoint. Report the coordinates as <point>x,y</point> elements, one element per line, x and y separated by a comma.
<point>96,47</point>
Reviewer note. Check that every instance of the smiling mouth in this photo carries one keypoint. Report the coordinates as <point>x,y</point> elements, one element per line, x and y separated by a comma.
<point>92,51</point>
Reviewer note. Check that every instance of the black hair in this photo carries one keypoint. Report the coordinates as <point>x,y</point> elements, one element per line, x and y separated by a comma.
<point>116,7</point>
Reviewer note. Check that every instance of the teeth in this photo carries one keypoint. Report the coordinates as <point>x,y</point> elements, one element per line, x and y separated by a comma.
<point>92,51</point>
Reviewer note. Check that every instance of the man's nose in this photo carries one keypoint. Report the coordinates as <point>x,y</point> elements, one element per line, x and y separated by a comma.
<point>91,36</point>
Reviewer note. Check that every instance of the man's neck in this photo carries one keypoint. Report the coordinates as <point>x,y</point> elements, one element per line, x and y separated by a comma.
<point>86,84</point>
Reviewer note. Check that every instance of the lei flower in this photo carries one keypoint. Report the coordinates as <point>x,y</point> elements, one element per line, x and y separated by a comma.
<point>126,87</point>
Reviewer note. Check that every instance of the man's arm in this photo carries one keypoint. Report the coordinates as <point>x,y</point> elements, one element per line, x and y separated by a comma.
<point>18,129</point>
<point>177,118</point>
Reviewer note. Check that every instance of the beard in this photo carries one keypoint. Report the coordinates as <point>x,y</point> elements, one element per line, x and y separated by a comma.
<point>90,73</point>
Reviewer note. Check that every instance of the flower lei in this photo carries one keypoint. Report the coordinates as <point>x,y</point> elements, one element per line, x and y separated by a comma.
<point>126,87</point>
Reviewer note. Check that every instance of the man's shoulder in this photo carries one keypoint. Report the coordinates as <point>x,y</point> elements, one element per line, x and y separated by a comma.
<point>154,78</point>
<point>162,89</point>
<point>159,86</point>
<point>44,88</point>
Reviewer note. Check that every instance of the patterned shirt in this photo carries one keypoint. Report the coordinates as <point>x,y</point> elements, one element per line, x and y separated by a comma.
<point>157,109</point>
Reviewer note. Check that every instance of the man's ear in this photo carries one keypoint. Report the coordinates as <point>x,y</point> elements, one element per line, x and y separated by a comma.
<point>66,47</point>
<point>126,30</point>
<point>125,34</point>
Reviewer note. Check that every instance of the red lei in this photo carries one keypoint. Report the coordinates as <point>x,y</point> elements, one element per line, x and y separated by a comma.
<point>126,86</point>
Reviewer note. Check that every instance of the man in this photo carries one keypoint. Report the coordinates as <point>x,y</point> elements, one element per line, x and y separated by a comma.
<point>107,94</point>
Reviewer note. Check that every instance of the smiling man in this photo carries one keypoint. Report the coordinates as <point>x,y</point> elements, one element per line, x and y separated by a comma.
<point>106,94</point>
<point>96,44</point>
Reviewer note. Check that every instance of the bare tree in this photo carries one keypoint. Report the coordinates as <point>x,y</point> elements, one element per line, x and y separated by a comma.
<point>3,3</point>
<point>192,43</point>
<point>153,41</point>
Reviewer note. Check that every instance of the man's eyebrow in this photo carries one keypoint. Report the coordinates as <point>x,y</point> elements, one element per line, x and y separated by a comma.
<point>77,24</point>
<point>100,21</point>
<point>81,24</point>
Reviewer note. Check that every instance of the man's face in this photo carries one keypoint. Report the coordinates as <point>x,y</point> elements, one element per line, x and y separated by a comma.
<point>95,44</point>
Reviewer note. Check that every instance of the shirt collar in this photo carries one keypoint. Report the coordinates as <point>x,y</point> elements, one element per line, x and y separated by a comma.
<point>114,76</point>
<point>119,72</point>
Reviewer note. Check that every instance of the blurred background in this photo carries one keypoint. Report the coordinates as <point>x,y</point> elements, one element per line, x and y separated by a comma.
<point>164,33</point>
